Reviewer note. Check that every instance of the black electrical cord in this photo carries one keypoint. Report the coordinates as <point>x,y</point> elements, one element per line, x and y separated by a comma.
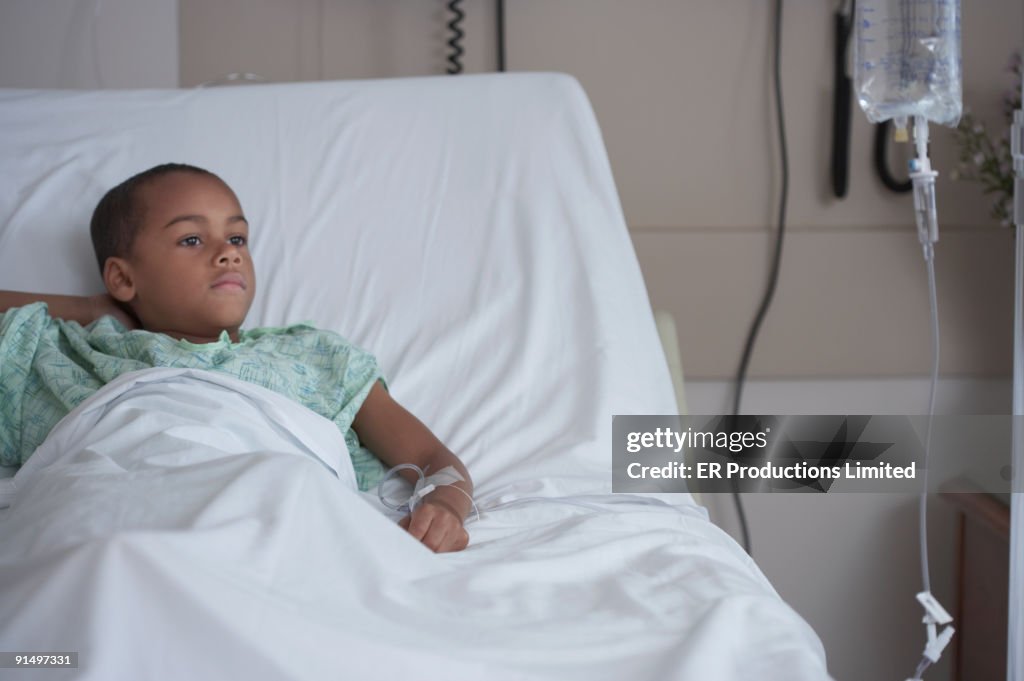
<point>773,278</point>
<point>455,41</point>
<point>500,11</point>
<point>883,132</point>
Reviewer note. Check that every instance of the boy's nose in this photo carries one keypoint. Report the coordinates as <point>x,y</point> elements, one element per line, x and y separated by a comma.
<point>229,255</point>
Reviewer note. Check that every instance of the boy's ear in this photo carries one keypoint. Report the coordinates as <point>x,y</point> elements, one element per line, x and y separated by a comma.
<point>117,277</point>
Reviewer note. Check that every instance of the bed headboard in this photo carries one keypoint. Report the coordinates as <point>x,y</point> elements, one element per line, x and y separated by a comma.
<point>466,230</point>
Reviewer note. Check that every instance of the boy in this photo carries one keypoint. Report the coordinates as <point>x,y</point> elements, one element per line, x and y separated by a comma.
<point>172,246</point>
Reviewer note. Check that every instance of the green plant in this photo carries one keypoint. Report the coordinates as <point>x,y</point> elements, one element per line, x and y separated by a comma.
<point>988,161</point>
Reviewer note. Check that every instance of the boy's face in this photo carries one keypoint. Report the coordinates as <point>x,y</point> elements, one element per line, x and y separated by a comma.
<point>189,273</point>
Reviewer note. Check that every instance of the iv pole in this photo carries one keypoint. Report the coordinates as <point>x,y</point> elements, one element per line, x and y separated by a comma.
<point>1015,625</point>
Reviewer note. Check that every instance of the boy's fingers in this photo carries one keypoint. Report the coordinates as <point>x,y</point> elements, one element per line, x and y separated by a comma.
<point>419,523</point>
<point>454,540</point>
<point>448,537</point>
<point>435,529</point>
<point>434,540</point>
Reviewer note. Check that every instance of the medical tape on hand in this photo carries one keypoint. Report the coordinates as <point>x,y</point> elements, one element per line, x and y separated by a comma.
<point>425,485</point>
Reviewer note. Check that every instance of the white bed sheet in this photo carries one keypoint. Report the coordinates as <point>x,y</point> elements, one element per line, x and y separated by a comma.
<point>185,524</point>
<point>465,230</point>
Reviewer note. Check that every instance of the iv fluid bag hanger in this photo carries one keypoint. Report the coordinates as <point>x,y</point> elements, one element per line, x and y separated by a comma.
<point>907,59</point>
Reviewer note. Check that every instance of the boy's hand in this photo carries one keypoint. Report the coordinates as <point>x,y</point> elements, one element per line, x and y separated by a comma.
<point>437,524</point>
<point>105,304</point>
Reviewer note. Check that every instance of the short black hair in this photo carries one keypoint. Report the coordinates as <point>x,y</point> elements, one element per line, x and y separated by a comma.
<point>118,215</point>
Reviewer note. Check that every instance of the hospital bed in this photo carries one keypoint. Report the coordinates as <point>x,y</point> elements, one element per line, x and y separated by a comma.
<point>468,232</point>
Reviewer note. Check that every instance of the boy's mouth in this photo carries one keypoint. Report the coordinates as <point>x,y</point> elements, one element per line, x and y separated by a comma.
<point>229,280</point>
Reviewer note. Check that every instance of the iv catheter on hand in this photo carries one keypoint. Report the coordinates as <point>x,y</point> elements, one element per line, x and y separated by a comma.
<point>447,476</point>
<point>425,484</point>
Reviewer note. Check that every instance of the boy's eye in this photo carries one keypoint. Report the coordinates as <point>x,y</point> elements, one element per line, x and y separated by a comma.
<point>190,241</point>
<point>238,240</point>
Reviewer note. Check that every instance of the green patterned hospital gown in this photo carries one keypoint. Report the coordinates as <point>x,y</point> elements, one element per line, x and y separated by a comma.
<point>49,366</point>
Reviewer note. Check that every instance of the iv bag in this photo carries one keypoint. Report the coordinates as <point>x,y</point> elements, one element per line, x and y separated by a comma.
<point>907,58</point>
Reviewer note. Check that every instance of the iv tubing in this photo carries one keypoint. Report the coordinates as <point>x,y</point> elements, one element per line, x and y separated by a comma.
<point>923,178</point>
<point>923,505</point>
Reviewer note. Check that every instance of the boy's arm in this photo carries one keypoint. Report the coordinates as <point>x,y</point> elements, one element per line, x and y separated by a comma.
<point>81,309</point>
<point>396,436</point>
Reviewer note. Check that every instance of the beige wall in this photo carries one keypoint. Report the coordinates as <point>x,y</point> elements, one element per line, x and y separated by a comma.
<point>88,43</point>
<point>681,90</point>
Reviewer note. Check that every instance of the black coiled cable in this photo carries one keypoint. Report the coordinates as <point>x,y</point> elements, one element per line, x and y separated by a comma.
<point>455,41</point>
<point>883,131</point>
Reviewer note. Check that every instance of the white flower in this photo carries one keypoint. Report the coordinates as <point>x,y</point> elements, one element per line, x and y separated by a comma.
<point>979,158</point>
<point>978,129</point>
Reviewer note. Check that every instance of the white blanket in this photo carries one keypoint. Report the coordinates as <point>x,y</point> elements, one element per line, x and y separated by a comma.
<point>183,524</point>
